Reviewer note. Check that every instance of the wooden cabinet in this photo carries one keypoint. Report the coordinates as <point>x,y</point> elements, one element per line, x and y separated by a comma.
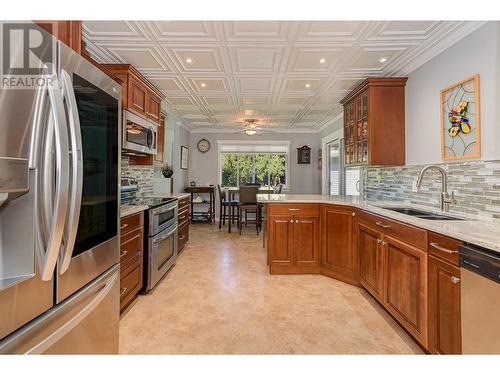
<point>374,122</point>
<point>445,335</point>
<point>142,97</point>
<point>68,32</point>
<point>405,286</point>
<point>339,257</point>
<point>160,142</point>
<point>131,258</point>
<point>183,220</point>
<point>293,242</point>
<point>370,259</point>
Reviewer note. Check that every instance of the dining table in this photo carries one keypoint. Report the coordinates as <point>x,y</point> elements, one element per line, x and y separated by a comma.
<point>232,191</point>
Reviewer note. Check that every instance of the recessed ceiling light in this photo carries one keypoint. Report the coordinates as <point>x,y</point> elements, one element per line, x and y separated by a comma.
<point>203,85</point>
<point>322,61</point>
<point>383,59</point>
<point>188,60</point>
<point>308,85</point>
<point>250,131</point>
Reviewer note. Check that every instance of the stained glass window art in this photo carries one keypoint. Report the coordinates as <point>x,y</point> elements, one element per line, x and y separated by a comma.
<point>460,121</point>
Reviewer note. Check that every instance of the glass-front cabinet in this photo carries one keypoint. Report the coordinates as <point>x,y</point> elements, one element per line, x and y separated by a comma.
<point>374,123</point>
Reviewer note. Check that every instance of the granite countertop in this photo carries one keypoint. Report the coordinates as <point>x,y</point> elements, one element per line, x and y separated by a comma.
<point>129,209</point>
<point>473,229</point>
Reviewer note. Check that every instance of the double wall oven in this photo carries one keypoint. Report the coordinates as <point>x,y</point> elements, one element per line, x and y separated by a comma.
<point>161,240</point>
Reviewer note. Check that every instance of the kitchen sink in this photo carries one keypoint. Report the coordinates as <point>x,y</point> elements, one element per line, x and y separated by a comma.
<point>420,213</point>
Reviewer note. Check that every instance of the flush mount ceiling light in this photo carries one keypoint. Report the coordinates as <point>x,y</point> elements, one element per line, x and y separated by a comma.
<point>188,60</point>
<point>383,59</point>
<point>308,85</point>
<point>322,61</point>
<point>250,131</point>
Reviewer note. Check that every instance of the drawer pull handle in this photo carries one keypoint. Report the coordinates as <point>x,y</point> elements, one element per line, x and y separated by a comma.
<point>353,213</point>
<point>182,237</point>
<point>123,253</point>
<point>122,291</point>
<point>380,224</point>
<point>123,226</point>
<point>294,209</point>
<point>379,241</point>
<point>291,221</point>
<point>296,221</point>
<point>182,217</point>
<point>443,249</point>
<point>455,280</point>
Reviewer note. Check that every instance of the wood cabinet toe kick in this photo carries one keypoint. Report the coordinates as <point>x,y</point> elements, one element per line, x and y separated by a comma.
<point>402,266</point>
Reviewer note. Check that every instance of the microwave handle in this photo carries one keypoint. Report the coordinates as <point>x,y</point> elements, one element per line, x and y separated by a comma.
<point>58,209</point>
<point>76,181</point>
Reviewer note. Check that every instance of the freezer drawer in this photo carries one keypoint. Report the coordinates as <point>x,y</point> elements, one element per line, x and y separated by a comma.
<point>86,323</point>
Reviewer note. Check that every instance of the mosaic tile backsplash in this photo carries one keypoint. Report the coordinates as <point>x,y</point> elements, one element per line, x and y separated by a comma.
<point>142,173</point>
<point>476,186</point>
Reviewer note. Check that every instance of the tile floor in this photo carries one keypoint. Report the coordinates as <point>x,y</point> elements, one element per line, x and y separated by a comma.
<point>221,299</point>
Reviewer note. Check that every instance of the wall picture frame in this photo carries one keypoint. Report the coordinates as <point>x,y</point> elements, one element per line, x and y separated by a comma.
<point>460,120</point>
<point>184,157</point>
<point>304,155</point>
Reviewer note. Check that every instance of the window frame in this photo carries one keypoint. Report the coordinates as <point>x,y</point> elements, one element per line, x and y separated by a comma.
<point>236,143</point>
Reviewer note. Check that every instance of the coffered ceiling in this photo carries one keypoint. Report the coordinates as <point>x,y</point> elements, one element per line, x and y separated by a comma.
<point>290,75</point>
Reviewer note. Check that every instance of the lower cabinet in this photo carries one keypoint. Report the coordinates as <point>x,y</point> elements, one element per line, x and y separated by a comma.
<point>131,258</point>
<point>370,259</point>
<point>405,286</point>
<point>444,307</point>
<point>293,239</point>
<point>339,257</point>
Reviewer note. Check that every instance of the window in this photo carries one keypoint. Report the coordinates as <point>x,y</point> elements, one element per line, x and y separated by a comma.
<point>341,180</point>
<point>265,163</point>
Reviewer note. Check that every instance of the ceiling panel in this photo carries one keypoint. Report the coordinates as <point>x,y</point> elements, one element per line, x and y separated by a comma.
<point>287,74</point>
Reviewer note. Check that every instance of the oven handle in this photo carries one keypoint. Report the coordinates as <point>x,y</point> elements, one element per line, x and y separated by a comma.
<point>165,209</point>
<point>157,240</point>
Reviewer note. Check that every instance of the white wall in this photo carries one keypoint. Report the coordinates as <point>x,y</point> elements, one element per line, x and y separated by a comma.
<point>181,176</point>
<point>303,178</point>
<point>476,53</point>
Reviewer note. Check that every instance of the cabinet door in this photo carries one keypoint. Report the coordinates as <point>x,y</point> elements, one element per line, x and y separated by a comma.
<point>370,260</point>
<point>405,286</point>
<point>281,240</point>
<point>444,308</point>
<point>160,141</point>
<point>306,241</point>
<point>338,252</point>
<point>136,96</point>
<point>349,134</point>
<point>362,128</point>
<point>153,107</point>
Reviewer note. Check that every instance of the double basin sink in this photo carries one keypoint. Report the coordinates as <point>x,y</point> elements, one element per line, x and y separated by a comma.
<point>420,213</point>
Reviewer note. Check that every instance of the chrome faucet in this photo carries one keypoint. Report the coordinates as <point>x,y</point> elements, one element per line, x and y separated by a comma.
<point>445,198</point>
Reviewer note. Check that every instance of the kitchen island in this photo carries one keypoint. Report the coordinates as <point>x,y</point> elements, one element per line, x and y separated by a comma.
<point>409,264</point>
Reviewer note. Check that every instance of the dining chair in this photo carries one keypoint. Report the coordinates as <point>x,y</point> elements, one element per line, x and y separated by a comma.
<point>248,204</point>
<point>223,204</point>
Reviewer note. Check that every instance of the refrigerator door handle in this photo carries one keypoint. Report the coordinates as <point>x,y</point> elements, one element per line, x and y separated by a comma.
<point>40,335</point>
<point>60,202</point>
<point>76,181</point>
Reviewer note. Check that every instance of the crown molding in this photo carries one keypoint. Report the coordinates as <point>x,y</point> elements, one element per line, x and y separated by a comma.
<point>440,45</point>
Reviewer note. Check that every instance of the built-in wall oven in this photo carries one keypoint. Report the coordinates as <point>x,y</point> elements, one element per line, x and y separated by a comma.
<point>161,241</point>
<point>139,134</point>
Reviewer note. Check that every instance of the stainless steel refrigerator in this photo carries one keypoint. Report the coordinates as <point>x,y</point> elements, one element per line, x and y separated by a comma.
<point>59,204</point>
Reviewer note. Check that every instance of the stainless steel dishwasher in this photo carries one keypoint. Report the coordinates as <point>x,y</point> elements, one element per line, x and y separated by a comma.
<point>480,295</point>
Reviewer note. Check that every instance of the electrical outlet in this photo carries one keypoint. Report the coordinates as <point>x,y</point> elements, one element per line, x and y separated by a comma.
<point>414,186</point>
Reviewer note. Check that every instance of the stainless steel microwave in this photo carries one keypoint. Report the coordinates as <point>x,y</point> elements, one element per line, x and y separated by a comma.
<point>139,135</point>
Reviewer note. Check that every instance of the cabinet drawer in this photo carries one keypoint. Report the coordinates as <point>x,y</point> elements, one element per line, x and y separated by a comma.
<point>404,232</point>
<point>131,244</point>
<point>130,282</point>
<point>183,216</point>
<point>130,223</point>
<point>183,203</point>
<point>302,209</point>
<point>444,247</point>
<point>183,236</point>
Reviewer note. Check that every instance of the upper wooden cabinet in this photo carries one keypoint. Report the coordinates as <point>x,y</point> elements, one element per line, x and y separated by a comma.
<point>140,95</point>
<point>374,122</point>
<point>160,144</point>
<point>68,32</point>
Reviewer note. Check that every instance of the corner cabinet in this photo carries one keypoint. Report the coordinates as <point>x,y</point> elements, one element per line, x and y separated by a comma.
<point>293,240</point>
<point>374,123</point>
